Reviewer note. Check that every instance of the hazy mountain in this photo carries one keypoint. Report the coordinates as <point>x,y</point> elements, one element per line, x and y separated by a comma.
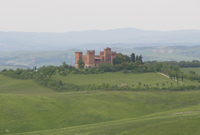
<point>126,38</point>
<point>36,58</point>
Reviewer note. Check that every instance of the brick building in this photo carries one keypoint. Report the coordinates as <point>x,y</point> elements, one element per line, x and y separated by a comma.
<point>91,60</point>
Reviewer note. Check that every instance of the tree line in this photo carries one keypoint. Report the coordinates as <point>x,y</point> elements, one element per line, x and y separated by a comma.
<point>122,63</point>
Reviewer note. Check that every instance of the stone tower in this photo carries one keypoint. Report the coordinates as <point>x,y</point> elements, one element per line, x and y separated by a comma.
<point>113,56</point>
<point>107,54</point>
<point>78,55</point>
<point>90,59</point>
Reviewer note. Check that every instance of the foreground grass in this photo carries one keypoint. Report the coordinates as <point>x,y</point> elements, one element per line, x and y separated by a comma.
<point>24,113</point>
<point>28,108</point>
<point>121,79</point>
<point>177,122</point>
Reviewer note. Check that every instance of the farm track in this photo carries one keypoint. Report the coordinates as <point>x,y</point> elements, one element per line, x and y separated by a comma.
<point>168,77</point>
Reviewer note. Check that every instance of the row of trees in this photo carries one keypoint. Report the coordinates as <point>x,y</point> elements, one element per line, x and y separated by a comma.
<point>174,72</point>
<point>44,77</point>
<point>120,58</point>
<point>127,64</point>
<point>194,63</point>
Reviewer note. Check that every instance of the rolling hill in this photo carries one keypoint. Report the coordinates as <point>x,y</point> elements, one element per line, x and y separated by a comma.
<point>130,37</point>
<point>30,109</point>
<point>27,59</point>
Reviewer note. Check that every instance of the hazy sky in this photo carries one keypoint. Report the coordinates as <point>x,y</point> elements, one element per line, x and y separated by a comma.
<point>79,15</point>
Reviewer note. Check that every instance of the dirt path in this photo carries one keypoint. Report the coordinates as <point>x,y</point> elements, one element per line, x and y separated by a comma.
<point>168,77</point>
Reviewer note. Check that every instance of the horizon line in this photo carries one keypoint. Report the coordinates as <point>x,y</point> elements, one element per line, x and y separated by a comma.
<point>101,30</point>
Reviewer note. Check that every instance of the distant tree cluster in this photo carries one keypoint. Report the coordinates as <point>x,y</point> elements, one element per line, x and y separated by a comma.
<point>120,58</point>
<point>44,77</point>
<point>19,73</point>
<point>122,63</point>
<point>194,63</point>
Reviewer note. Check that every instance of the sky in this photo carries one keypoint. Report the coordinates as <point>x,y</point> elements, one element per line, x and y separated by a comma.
<point>81,15</point>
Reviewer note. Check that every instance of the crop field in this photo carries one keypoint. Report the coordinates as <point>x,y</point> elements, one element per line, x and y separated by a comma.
<point>30,109</point>
<point>121,79</point>
<point>187,70</point>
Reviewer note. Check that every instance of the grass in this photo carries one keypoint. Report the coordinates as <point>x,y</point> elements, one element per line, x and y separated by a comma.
<point>118,78</point>
<point>14,86</point>
<point>100,112</point>
<point>28,108</point>
<point>187,70</point>
<point>162,124</point>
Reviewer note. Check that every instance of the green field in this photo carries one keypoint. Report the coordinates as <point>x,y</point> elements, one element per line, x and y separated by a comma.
<point>187,70</point>
<point>30,109</point>
<point>177,122</point>
<point>121,79</point>
<point>14,86</point>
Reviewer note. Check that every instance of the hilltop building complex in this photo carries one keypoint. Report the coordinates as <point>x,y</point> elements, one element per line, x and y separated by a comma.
<point>91,60</point>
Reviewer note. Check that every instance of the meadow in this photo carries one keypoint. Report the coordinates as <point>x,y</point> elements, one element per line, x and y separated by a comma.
<point>15,86</point>
<point>30,109</point>
<point>121,79</point>
<point>187,70</point>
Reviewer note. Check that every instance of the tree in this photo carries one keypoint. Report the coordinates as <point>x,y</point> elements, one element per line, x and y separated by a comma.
<point>192,72</point>
<point>64,65</point>
<point>159,66</point>
<point>139,85</point>
<point>120,58</point>
<point>176,68</point>
<point>137,57</point>
<point>127,58</point>
<point>170,75</point>
<point>114,61</point>
<point>132,57</point>
<point>80,63</point>
<point>140,58</point>
<point>177,77</point>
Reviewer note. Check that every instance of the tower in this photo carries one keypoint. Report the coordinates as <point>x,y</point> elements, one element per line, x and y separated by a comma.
<point>90,59</point>
<point>113,56</point>
<point>78,55</point>
<point>107,54</point>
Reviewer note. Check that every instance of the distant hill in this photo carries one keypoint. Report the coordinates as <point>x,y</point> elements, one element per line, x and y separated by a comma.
<point>40,58</point>
<point>125,37</point>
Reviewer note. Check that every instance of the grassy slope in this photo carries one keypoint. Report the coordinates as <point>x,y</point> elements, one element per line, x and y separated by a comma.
<point>123,112</point>
<point>178,122</point>
<point>107,112</point>
<point>14,86</point>
<point>186,70</point>
<point>118,78</point>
